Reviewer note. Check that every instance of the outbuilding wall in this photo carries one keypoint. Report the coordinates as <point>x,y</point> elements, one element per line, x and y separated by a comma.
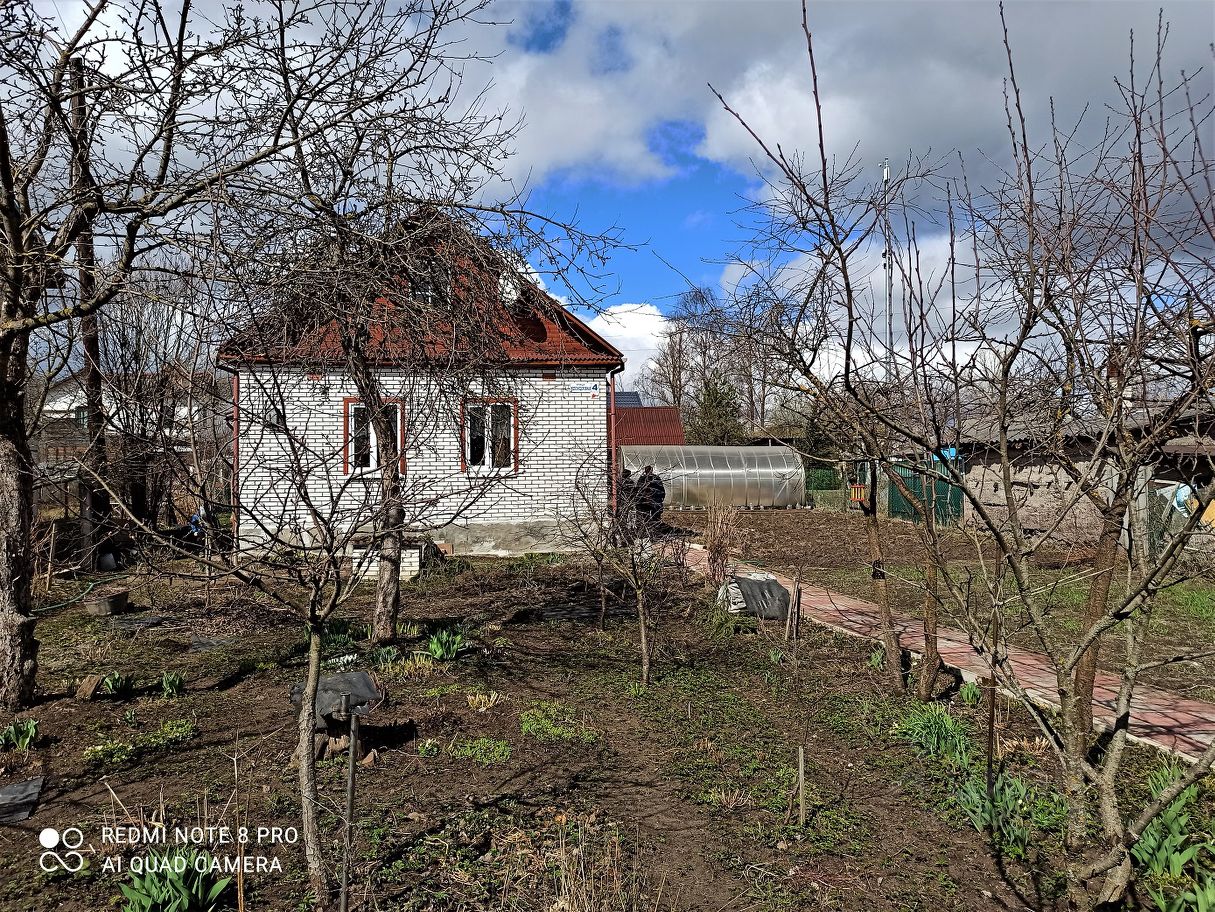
<point>1045,497</point>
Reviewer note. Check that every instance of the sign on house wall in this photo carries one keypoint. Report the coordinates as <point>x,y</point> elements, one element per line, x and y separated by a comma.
<point>589,389</point>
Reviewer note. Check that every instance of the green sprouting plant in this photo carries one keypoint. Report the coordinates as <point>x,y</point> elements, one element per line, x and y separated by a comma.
<point>877,658</point>
<point>636,690</point>
<point>970,694</point>
<point>129,719</point>
<point>936,733</point>
<point>341,633</point>
<point>116,684</point>
<point>1003,815</point>
<point>172,684</point>
<point>428,747</point>
<point>485,751</point>
<point>110,752</point>
<point>445,645</point>
<point>383,655</point>
<point>552,721</point>
<point>1167,848</point>
<point>174,881</point>
<point>114,752</point>
<point>1048,811</point>
<point>20,734</point>
<point>721,624</point>
<point>168,734</point>
<point>409,630</point>
<point>776,655</point>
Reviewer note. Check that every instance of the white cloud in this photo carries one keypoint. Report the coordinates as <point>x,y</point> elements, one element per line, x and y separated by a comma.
<point>635,329</point>
<point>925,75</point>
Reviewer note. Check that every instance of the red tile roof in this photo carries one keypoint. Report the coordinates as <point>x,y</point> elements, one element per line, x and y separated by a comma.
<point>652,425</point>
<point>475,324</point>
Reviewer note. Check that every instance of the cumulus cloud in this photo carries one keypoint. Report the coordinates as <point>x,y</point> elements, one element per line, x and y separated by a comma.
<point>919,76</point>
<point>635,329</point>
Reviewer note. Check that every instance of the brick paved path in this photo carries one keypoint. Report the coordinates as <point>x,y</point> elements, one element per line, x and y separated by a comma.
<point>1158,717</point>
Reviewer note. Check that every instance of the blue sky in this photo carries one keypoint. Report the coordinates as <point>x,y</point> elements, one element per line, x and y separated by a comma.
<point>683,224</point>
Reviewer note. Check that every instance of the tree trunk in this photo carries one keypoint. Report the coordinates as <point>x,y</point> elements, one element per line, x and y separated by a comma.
<point>18,648</point>
<point>1085,675</point>
<point>318,879</point>
<point>930,670</point>
<point>643,618</point>
<point>388,582</point>
<point>95,513</point>
<point>1079,898</point>
<point>392,517</point>
<point>881,586</point>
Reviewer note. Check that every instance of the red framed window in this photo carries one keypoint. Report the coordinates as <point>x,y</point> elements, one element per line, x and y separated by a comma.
<point>490,435</point>
<point>361,452</point>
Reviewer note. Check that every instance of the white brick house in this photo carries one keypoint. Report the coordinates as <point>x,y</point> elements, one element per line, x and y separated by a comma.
<point>488,461</point>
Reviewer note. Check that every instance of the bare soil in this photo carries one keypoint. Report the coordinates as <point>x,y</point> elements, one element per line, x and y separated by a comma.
<point>676,796</point>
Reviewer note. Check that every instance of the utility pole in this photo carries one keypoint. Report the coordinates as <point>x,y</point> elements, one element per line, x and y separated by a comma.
<point>888,262</point>
<point>96,507</point>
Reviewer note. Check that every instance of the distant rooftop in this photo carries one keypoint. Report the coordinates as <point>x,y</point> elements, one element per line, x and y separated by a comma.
<point>629,399</point>
<point>649,426</point>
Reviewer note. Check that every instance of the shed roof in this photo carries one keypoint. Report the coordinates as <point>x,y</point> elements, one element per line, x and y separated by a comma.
<point>654,425</point>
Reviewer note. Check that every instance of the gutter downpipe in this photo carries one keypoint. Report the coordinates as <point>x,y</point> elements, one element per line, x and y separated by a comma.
<point>612,482</point>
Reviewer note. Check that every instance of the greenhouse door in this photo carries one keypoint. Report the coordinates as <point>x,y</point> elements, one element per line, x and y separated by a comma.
<point>946,497</point>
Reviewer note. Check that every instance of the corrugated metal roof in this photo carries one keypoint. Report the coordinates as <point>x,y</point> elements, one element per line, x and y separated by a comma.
<point>654,425</point>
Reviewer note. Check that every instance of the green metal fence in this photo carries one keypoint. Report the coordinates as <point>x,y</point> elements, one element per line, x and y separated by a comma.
<point>946,498</point>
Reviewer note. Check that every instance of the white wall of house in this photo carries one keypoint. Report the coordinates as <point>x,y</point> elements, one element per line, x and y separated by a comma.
<point>562,431</point>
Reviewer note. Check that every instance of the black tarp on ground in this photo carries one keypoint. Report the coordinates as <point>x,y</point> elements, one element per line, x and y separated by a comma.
<point>364,695</point>
<point>758,595</point>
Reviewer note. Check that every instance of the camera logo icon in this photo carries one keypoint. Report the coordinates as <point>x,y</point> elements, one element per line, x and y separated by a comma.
<point>70,860</point>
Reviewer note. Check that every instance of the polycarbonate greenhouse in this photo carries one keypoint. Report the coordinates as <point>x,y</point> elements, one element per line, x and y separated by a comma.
<point>741,476</point>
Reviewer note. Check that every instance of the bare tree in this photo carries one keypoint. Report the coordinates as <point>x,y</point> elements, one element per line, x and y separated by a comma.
<point>610,535</point>
<point>147,72</point>
<point>1062,347</point>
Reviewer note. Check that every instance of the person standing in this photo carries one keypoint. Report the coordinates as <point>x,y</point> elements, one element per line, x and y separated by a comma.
<point>651,493</point>
<point>626,506</point>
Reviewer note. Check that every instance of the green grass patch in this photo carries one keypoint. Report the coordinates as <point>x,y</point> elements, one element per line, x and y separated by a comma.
<point>116,752</point>
<point>550,720</point>
<point>486,751</point>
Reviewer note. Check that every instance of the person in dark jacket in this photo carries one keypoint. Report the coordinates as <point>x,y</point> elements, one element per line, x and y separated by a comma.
<point>626,507</point>
<point>651,493</point>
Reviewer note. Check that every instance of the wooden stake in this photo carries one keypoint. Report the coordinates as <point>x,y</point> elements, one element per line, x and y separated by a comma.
<point>801,785</point>
<point>50,556</point>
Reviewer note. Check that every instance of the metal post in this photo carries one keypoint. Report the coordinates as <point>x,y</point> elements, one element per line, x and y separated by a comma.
<point>353,752</point>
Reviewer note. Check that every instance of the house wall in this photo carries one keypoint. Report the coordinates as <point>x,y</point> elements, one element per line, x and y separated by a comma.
<point>562,431</point>
<point>1044,495</point>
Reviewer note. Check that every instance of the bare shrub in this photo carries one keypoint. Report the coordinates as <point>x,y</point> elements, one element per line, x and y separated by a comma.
<point>720,537</point>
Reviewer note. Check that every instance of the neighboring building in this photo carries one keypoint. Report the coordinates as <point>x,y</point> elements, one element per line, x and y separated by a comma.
<point>160,434</point>
<point>628,399</point>
<point>1046,495</point>
<point>652,425</point>
<point>492,446</point>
